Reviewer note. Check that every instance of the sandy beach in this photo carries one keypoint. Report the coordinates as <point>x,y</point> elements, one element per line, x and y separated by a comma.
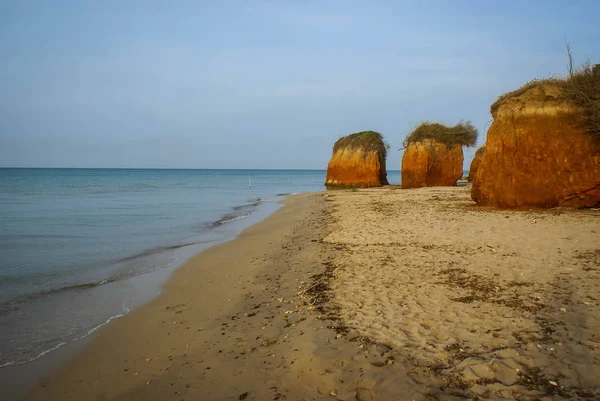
<point>475,302</point>
<point>375,294</point>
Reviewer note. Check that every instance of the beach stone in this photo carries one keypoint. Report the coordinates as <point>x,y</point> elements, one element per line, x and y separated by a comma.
<point>365,394</point>
<point>431,164</point>
<point>538,154</point>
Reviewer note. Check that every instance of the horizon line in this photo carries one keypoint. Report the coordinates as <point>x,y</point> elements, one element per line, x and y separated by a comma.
<point>163,168</point>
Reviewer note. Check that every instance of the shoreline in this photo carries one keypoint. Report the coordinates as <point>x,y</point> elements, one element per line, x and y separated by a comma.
<point>361,295</point>
<point>121,337</point>
<point>87,266</point>
<point>17,379</point>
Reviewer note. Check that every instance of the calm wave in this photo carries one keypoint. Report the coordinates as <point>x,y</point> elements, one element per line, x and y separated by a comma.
<point>70,240</point>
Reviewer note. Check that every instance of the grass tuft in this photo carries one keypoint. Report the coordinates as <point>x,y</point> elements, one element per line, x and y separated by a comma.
<point>366,140</point>
<point>581,88</point>
<point>462,134</point>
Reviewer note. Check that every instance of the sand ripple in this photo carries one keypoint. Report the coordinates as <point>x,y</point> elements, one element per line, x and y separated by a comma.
<point>502,304</point>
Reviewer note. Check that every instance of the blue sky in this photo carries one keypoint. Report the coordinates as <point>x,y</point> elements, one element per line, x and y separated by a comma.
<point>252,84</point>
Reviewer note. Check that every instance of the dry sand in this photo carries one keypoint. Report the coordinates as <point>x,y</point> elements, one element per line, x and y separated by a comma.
<point>361,295</point>
<point>477,302</point>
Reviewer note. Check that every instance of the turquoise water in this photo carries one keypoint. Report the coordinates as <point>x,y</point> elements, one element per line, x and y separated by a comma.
<point>67,233</point>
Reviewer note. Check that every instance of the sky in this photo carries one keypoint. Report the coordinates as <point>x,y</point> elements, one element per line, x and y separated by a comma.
<point>262,84</point>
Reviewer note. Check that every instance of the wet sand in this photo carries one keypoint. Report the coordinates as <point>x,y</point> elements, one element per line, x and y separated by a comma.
<point>362,295</point>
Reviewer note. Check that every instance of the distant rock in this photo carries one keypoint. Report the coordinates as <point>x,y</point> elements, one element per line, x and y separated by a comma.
<point>475,163</point>
<point>539,151</point>
<point>428,163</point>
<point>358,160</point>
<point>433,154</point>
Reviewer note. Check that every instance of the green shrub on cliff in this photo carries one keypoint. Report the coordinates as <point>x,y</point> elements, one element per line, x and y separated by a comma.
<point>462,134</point>
<point>366,140</point>
<point>581,87</point>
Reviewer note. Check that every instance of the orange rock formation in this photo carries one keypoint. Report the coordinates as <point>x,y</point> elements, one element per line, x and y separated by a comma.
<point>538,154</point>
<point>431,164</point>
<point>475,163</point>
<point>358,160</point>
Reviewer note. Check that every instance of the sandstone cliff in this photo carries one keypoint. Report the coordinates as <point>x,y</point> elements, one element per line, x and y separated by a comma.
<point>429,163</point>
<point>475,163</point>
<point>539,152</point>
<point>358,160</point>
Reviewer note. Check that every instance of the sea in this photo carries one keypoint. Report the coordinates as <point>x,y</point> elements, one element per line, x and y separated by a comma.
<point>82,247</point>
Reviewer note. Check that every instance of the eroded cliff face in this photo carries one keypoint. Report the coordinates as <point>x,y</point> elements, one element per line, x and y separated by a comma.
<point>475,163</point>
<point>538,154</point>
<point>431,164</point>
<point>355,167</point>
